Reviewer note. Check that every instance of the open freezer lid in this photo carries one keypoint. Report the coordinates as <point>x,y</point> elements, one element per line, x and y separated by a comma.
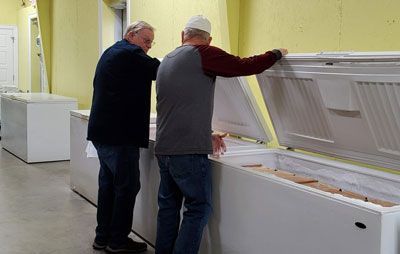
<point>38,97</point>
<point>341,104</point>
<point>236,111</point>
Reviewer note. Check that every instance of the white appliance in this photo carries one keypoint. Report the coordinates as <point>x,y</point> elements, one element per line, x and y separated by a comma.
<point>7,89</point>
<point>35,126</point>
<point>343,105</point>
<point>84,164</point>
<point>84,170</point>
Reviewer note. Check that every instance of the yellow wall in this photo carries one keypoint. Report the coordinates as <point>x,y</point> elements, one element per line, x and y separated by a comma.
<point>108,27</point>
<point>233,18</point>
<point>300,26</point>
<point>74,36</point>
<point>370,25</point>
<point>9,12</point>
<point>169,18</point>
<point>314,26</point>
<point>246,27</point>
<point>23,47</point>
<point>75,48</point>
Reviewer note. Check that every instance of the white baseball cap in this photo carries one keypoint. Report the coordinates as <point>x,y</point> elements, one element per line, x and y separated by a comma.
<point>199,22</point>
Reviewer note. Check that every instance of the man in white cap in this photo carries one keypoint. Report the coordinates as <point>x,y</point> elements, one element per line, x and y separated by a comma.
<point>185,98</point>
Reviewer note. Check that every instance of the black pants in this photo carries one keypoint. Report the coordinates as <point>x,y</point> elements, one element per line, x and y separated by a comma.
<point>119,183</point>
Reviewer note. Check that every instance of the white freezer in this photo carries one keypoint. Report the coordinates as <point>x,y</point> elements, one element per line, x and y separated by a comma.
<point>146,207</point>
<point>35,126</point>
<point>343,105</point>
<point>7,89</point>
<point>258,212</point>
<point>84,170</point>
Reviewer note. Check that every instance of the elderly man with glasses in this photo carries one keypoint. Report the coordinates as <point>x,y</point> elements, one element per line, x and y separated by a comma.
<point>118,127</point>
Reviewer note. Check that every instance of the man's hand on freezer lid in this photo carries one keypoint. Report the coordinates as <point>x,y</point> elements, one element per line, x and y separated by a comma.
<point>281,52</point>
<point>219,146</point>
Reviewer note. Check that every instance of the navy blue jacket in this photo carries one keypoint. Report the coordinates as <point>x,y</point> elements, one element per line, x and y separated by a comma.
<point>121,99</point>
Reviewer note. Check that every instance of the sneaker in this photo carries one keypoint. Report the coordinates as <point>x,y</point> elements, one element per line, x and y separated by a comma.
<point>131,247</point>
<point>99,246</point>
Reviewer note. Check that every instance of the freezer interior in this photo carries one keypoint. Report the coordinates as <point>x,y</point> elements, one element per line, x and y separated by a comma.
<point>375,189</point>
<point>254,211</point>
<point>342,104</point>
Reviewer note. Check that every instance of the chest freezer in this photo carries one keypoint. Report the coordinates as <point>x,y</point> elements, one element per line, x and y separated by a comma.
<point>84,164</point>
<point>7,89</point>
<point>35,126</point>
<point>342,105</point>
<point>345,208</point>
<point>84,170</point>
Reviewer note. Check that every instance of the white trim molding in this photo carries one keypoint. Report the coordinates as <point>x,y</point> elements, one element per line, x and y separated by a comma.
<point>128,12</point>
<point>100,25</point>
<point>30,18</point>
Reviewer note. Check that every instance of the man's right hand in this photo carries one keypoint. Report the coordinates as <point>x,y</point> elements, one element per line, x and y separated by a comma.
<point>283,51</point>
<point>218,144</point>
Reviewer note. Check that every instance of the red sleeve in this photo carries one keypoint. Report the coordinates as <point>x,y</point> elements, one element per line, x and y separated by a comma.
<point>216,62</point>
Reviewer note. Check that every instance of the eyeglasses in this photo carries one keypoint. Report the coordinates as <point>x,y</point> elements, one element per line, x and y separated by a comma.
<point>146,40</point>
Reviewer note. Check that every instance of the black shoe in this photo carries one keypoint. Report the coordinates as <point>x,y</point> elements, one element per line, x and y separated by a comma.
<point>99,246</point>
<point>131,247</point>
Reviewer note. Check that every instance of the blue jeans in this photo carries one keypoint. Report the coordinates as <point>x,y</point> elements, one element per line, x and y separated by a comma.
<point>119,183</point>
<point>189,177</point>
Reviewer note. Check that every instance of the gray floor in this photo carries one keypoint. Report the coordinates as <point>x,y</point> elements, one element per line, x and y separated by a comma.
<point>38,211</point>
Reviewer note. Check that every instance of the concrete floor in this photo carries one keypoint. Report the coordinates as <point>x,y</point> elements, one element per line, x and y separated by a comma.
<point>39,214</point>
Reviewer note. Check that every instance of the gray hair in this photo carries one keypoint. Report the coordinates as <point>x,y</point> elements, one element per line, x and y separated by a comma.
<point>189,33</point>
<point>137,26</point>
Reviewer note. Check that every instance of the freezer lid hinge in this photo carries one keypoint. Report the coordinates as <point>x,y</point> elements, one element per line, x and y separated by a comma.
<point>235,136</point>
<point>244,138</point>
<point>290,148</point>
